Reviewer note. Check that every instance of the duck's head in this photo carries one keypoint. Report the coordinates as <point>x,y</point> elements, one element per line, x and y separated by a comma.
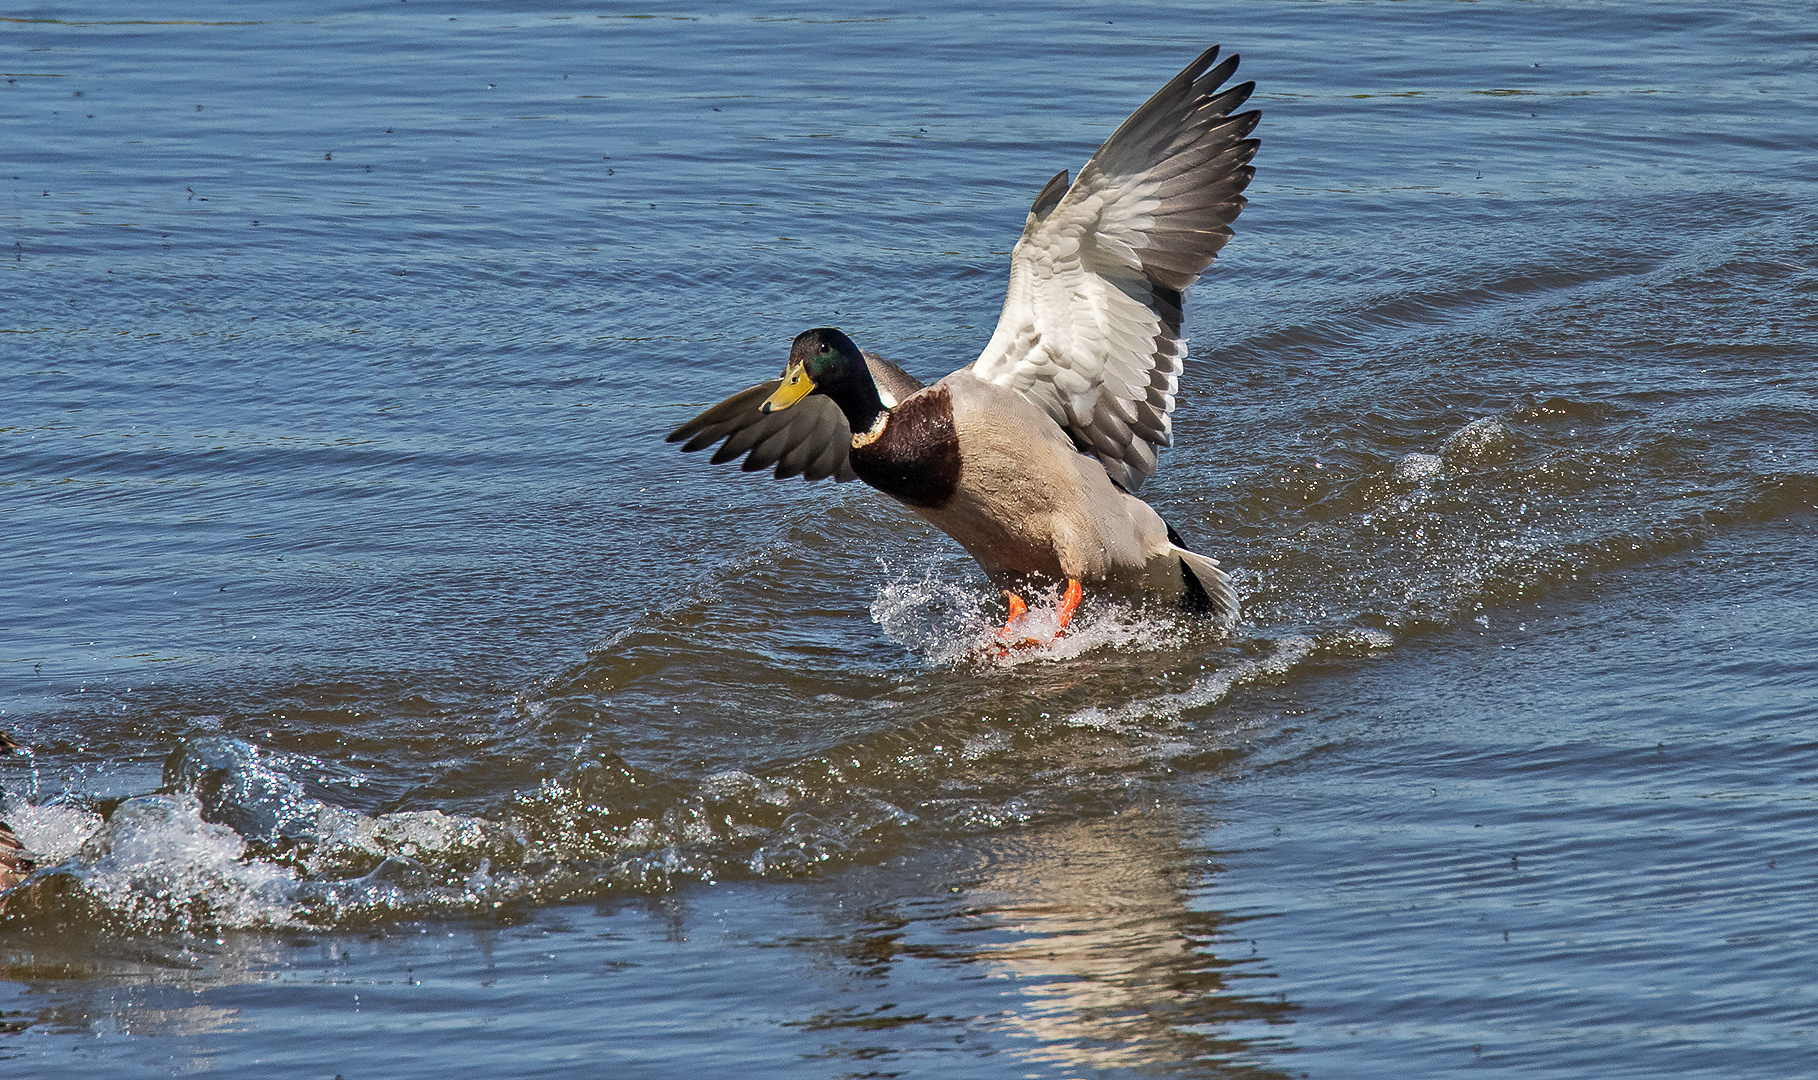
<point>825,361</point>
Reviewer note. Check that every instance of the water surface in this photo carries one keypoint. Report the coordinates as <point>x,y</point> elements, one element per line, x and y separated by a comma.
<point>385,677</point>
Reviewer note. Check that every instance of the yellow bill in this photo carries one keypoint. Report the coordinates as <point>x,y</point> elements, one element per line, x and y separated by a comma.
<point>796,386</point>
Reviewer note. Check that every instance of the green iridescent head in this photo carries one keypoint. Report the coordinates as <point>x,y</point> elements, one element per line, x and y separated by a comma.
<point>825,361</point>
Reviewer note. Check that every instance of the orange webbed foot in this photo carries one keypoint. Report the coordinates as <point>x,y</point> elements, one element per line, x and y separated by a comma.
<point>1069,604</point>
<point>1014,638</point>
<point>1017,610</point>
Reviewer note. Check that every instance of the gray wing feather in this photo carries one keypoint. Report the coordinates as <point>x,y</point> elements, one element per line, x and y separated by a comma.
<point>893,383</point>
<point>1091,328</point>
<point>810,439</point>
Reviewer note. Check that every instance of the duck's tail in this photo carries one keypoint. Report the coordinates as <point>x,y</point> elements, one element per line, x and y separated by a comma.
<point>1209,590</point>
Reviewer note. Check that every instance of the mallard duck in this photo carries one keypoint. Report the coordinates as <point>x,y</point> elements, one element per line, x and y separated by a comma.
<point>1031,455</point>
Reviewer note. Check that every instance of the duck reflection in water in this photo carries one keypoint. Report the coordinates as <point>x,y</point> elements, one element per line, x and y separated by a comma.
<point>1094,925</point>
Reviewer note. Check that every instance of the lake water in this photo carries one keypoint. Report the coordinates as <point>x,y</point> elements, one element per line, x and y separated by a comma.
<point>397,703</point>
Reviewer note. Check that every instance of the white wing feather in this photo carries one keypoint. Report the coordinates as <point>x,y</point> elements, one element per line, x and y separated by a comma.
<point>1090,330</point>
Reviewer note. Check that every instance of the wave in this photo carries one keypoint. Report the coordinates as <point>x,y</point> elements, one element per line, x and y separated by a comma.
<point>751,769</point>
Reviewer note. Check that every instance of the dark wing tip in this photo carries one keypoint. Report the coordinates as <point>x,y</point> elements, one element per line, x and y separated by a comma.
<point>1211,80</point>
<point>1203,61</point>
<point>1231,97</point>
<point>808,440</point>
<point>717,421</point>
<point>1050,195</point>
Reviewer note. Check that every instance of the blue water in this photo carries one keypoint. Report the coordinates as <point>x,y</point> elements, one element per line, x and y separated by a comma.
<point>386,680</point>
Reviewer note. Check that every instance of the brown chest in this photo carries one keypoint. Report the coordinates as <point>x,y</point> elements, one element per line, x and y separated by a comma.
<point>915,457</point>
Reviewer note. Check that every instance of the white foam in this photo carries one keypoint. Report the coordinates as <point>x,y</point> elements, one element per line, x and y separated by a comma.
<point>1417,467</point>
<point>1487,438</point>
<point>1282,657</point>
<point>1362,637</point>
<point>346,839</point>
<point>156,865</point>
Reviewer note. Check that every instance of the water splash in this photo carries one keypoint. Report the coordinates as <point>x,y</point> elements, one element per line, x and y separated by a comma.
<point>944,619</point>
<point>1491,511</point>
<point>954,622</point>
<point>155,866</point>
<point>52,832</point>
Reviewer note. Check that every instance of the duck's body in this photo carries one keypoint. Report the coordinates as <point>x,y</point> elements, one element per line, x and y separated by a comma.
<point>1029,456</point>
<point>1015,492</point>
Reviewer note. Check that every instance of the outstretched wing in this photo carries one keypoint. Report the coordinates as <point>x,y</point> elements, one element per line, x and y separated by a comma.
<point>811,439</point>
<point>1091,323</point>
